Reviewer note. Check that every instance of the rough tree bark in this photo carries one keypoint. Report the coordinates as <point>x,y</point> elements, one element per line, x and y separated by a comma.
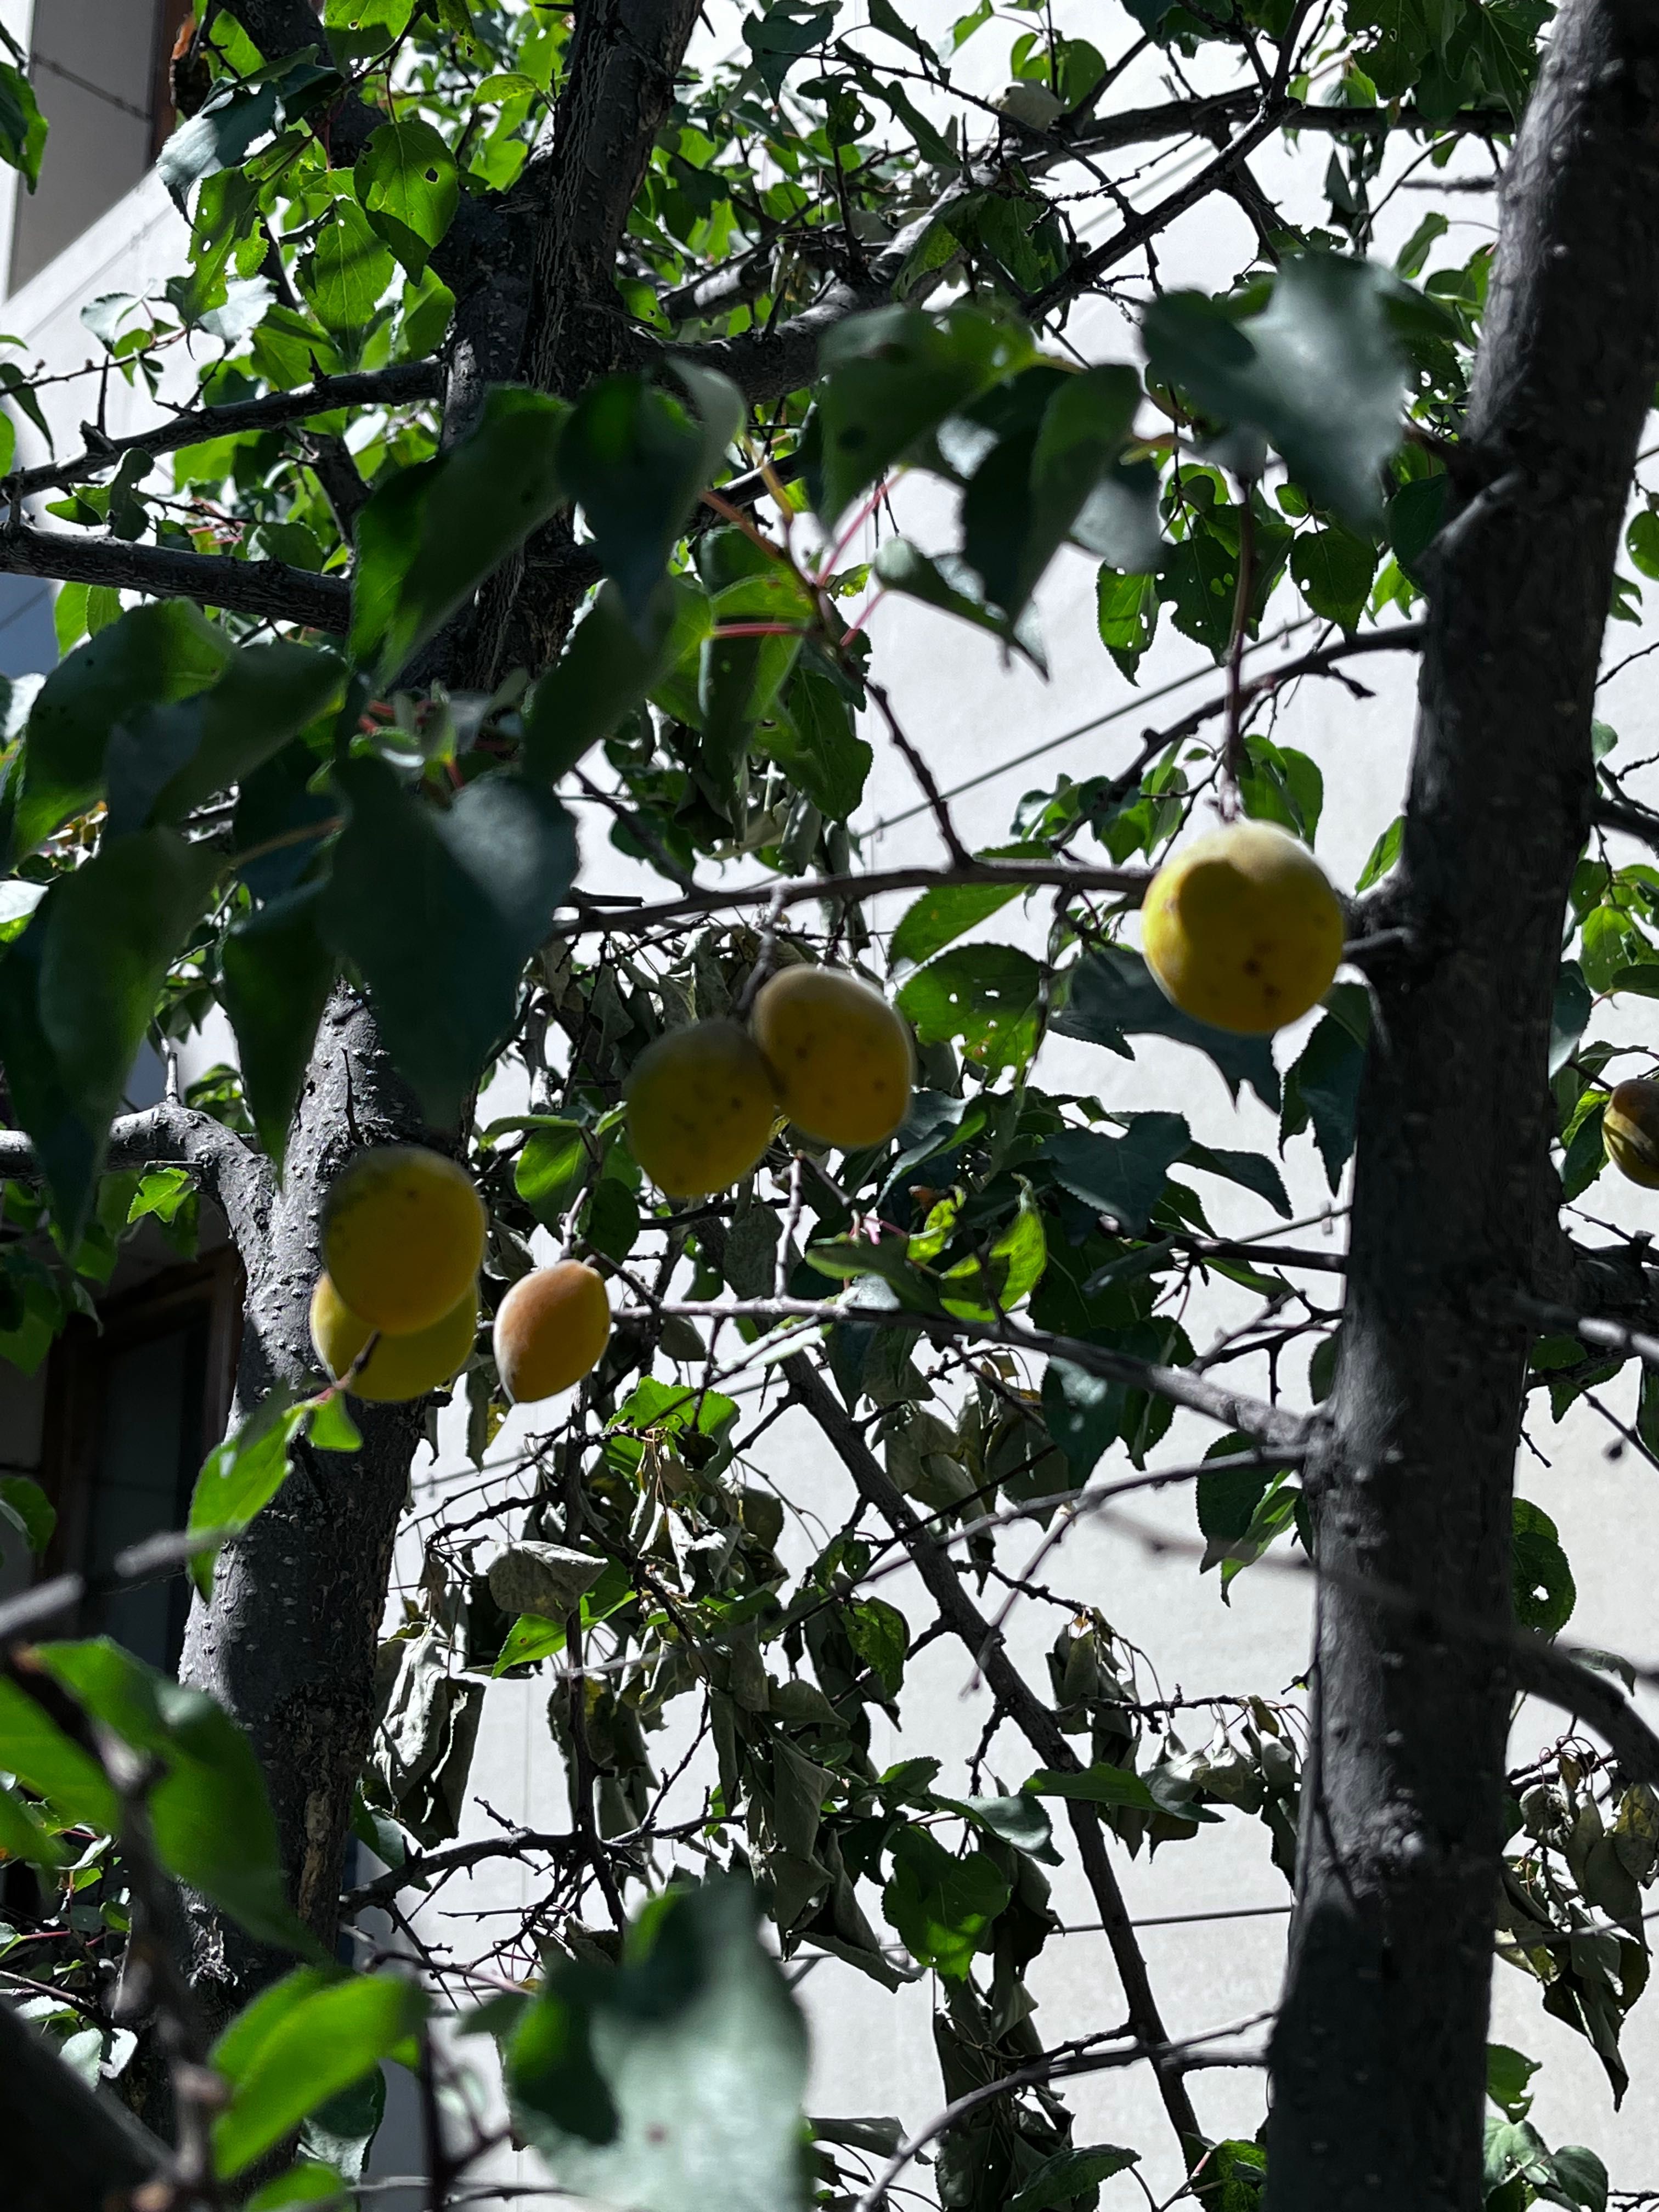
<point>1379,2058</point>
<point>287,1644</point>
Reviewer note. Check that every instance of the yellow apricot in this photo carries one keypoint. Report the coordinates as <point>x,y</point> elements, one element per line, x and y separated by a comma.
<point>403,1237</point>
<point>1242,929</point>
<point>701,1109</point>
<point>840,1054</point>
<point>551,1330</point>
<point>399,1367</point>
<point>1630,1130</point>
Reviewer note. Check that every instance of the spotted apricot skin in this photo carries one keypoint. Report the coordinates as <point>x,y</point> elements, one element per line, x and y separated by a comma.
<point>551,1330</point>
<point>840,1056</point>
<point>701,1109</point>
<point>1630,1131</point>
<point>1242,929</point>
<point>403,1237</point>
<point>399,1368</point>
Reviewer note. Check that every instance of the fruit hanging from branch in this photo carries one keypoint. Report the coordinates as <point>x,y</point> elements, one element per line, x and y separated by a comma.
<point>403,1237</point>
<point>1242,930</point>
<point>839,1053</point>
<point>551,1328</point>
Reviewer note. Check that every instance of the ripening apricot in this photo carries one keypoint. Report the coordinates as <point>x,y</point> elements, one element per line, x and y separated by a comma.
<point>701,1109</point>
<point>840,1054</point>
<point>399,1367</point>
<point>551,1329</point>
<point>403,1237</point>
<point>1630,1130</point>
<point>1242,929</point>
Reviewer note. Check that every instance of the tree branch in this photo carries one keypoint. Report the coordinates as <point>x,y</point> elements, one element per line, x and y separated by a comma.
<point>1030,1714</point>
<point>231,1173</point>
<point>270,589</point>
<point>401,386</point>
<point>1234,1409</point>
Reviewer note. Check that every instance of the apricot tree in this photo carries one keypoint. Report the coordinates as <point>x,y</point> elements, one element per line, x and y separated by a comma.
<point>550,372</point>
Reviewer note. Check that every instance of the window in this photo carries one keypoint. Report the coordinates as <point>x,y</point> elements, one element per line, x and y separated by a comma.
<point>101,73</point>
<point>131,1410</point>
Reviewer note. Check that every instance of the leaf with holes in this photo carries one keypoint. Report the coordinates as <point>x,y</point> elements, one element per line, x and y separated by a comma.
<point>988,995</point>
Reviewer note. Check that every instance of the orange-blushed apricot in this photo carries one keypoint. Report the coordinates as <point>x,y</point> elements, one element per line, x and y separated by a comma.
<point>551,1328</point>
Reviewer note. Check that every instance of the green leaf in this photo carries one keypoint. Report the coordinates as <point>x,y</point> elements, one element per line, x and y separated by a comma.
<point>241,1476</point>
<point>1112,997</point>
<point>439,910</point>
<point>636,458</point>
<point>1333,570</point>
<point>608,667</point>
<point>277,973</point>
<point>949,584</point>
<point>22,126</point>
<point>47,1761</point>
<point>1251,1170</point>
<point>212,1821</point>
<point>407,186</point>
<point>1127,613</point>
<point>39,1516</point>
<point>812,739</point>
<point>1570,1015</point>
<point>1383,854</point>
<point>1642,540</point>
<point>1544,1593</point>
<point>1116,1787</point>
<point>233,119</point>
<point>304,2183</point>
<point>169,758</point>
<point>1084,1414</point>
<point>346,274</point>
<point>359,30</point>
<point>23,1836</point>
<point>942,914</point>
<point>1508,2073</point>
<point>296,2046</point>
<point>1070,2174</point>
<point>986,995</point>
<point>1318,374</point>
<point>152,655</point>
<point>1324,1085</point>
<point>940,1904</point>
<point>1033,486</point>
<point>880,1635</point>
<point>889,377</point>
<point>552,1170</point>
<point>430,535</point>
<point>76,993</point>
<point>676,2078</point>
<point>1123,1176</point>
<point>530,1639</point>
<point>1022,1821</point>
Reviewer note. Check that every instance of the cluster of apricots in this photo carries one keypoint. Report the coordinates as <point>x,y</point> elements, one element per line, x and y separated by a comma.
<point>821,1050</point>
<point>402,1240</point>
<point>395,1311</point>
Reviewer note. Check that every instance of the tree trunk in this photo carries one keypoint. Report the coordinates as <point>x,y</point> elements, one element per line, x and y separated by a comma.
<point>288,1644</point>
<point>1379,2057</point>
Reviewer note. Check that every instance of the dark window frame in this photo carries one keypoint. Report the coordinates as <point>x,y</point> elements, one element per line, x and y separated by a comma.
<point>208,1291</point>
